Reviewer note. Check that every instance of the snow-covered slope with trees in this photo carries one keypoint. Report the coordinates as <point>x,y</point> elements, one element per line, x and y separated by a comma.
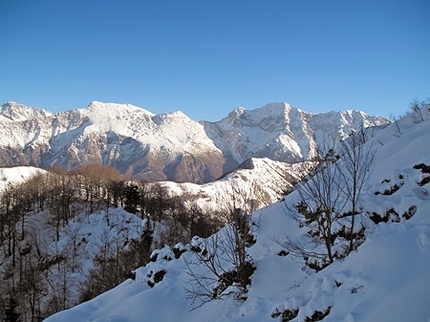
<point>68,232</point>
<point>166,146</point>
<point>385,278</point>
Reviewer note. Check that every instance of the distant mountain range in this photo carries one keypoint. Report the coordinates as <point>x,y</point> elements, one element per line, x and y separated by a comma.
<point>168,146</point>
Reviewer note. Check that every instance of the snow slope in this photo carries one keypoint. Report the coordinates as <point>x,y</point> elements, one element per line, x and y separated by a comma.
<point>386,279</point>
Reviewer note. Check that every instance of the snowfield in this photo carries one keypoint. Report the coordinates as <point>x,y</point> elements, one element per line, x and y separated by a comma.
<point>386,279</point>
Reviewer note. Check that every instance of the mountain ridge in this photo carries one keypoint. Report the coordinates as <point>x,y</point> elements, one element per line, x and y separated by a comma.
<point>167,146</point>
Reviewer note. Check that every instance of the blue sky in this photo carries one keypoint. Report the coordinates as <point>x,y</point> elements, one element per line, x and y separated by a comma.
<point>206,58</point>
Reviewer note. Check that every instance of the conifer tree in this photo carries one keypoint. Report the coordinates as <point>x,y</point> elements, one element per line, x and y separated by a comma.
<point>132,198</point>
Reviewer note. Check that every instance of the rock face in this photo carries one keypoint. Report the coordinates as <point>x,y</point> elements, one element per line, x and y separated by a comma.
<point>167,146</point>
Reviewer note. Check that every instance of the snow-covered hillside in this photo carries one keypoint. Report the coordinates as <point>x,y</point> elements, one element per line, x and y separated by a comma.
<point>16,175</point>
<point>386,279</point>
<point>167,146</point>
<point>258,182</point>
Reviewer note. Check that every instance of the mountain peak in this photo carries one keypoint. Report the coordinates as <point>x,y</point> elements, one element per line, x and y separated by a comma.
<point>115,107</point>
<point>20,112</point>
<point>237,112</point>
<point>276,107</point>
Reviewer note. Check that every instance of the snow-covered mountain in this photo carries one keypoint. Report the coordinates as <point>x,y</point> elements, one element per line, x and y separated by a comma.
<point>166,146</point>
<point>128,138</point>
<point>281,132</point>
<point>385,279</point>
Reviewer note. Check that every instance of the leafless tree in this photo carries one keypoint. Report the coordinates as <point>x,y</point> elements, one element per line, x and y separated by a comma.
<point>321,199</point>
<point>154,201</point>
<point>201,222</point>
<point>222,265</point>
<point>333,182</point>
<point>176,222</point>
<point>394,118</point>
<point>355,167</point>
<point>418,110</point>
<point>321,202</point>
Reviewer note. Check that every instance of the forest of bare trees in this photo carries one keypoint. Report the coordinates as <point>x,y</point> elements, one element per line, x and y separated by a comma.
<point>36,281</point>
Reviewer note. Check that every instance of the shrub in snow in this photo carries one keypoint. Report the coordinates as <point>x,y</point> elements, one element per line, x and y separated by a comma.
<point>425,169</point>
<point>178,250</point>
<point>318,315</point>
<point>283,252</point>
<point>286,315</point>
<point>241,277</point>
<point>391,190</point>
<point>411,211</point>
<point>162,254</point>
<point>329,202</point>
<point>154,278</point>
<point>222,265</point>
<point>419,110</point>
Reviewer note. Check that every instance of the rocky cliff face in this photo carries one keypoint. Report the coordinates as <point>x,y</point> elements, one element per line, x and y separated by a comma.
<point>166,146</point>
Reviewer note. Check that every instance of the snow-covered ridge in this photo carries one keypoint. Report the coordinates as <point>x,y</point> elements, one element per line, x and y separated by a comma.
<point>256,183</point>
<point>18,112</point>
<point>103,108</point>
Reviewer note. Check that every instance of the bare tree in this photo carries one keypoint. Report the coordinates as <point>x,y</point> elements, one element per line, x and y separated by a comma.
<point>324,192</point>
<point>222,265</point>
<point>321,202</point>
<point>202,223</point>
<point>62,197</point>
<point>418,110</point>
<point>355,167</point>
<point>175,225</point>
<point>116,192</point>
<point>321,199</point>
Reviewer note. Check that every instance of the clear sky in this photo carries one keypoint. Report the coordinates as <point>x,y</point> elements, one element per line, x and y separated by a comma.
<point>206,58</point>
